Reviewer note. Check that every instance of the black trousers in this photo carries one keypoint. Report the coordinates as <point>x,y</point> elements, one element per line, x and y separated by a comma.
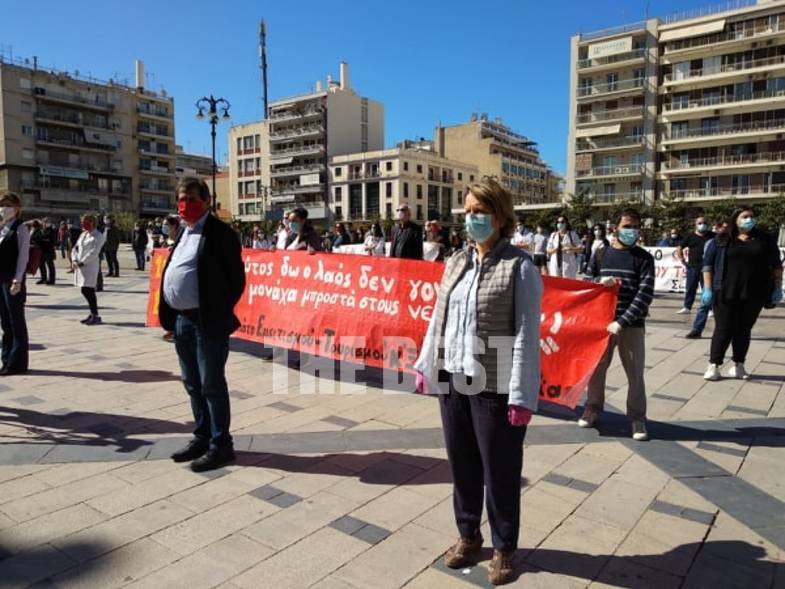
<point>733,323</point>
<point>12,319</point>
<point>47,268</point>
<point>484,450</point>
<point>89,294</point>
<point>112,262</point>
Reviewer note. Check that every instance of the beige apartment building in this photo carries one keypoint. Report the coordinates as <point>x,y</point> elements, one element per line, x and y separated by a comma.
<point>499,151</point>
<point>691,106</point>
<point>249,170</point>
<point>306,131</point>
<point>372,185</point>
<point>192,164</point>
<point>69,144</point>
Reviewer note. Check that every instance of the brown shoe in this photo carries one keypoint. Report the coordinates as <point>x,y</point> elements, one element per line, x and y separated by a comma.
<point>502,568</point>
<point>464,553</point>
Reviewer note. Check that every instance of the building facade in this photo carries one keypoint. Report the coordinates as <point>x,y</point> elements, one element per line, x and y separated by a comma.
<point>249,170</point>
<point>192,164</point>
<point>688,107</point>
<point>499,151</point>
<point>372,185</point>
<point>305,131</point>
<point>69,144</point>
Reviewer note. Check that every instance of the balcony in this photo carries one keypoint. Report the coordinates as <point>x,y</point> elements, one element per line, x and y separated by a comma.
<point>774,126</point>
<point>70,144</point>
<point>95,102</point>
<point>291,152</point>
<point>158,170</point>
<point>726,37</point>
<point>295,115</point>
<point>715,102</point>
<point>743,192</point>
<point>611,171</point>
<point>152,153</point>
<point>751,160</point>
<point>61,120</point>
<point>78,169</point>
<point>619,58</point>
<point>151,131</point>
<point>248,173</point>
<point>156,204</point>
<point>296,189</point>
<point>607,198</point>
<point>597,90</point>
<point>157,113</point>
<point>295,170</point>
<point>730,68</point>
<point>634,112</point>
<point>297,133</point>
<point>614,143</point>
<point>156,188</point>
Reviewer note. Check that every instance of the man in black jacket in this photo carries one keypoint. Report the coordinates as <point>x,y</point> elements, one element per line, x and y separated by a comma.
<point>406,239</point>
<point>202,282</point>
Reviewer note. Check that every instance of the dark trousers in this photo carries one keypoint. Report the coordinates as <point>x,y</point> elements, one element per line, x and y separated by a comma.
<point>63,248</point>
<point>694,278</point>
<point>733,322</point>
<point>484,450</point>
<point>48,266</point>
<point>89,294</point>
<point>202,364</point>
<point>139,259</point>
<point>12,320</point>
<point>112,262</point>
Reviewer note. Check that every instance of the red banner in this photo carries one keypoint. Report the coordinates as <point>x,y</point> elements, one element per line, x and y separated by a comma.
<point>375,311</point>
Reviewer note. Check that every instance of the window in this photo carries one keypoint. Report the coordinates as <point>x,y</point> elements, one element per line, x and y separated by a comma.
<point>388,190</point>
<point>338,171</point>
<point>609,190</point>
<point>740,184</point>
<point>406,190</point>
<point>638,77</point>
<point>339,212</point>
<point>256,141</point>
<point>612,81</point>
<point>27,154</point>
<point>419,213</point>
<point>239,144</point>
<point>26,106</point>
<point>249,187</point>
<point>25,83</point>
<point>460,176</point>
<point>338,192</point>
<point>680,129</point>
<point>419,168</point>
<point>240,188</point>
<point>471,177</point>
<point>710,126</point>
<point>27,130</point>
<point>419,191</point>
<point>248,142</point>
<point>388,210</point>
<point>388,166</point>
<point>405,166</point>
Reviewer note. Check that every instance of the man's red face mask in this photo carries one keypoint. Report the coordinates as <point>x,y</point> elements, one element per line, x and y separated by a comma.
<point>190,210</point>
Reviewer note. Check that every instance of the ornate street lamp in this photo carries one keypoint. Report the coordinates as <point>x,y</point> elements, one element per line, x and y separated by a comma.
<point>212,105</point>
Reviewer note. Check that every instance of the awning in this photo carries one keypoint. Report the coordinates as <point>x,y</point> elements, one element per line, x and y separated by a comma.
<point>693,31</point>
<point>100,137</point>
<point>594,131</point>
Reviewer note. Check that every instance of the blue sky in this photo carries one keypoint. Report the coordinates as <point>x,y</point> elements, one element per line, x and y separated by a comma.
<point>427,61</point>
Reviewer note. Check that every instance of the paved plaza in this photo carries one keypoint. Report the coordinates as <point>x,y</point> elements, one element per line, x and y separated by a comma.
<point>341,485</point>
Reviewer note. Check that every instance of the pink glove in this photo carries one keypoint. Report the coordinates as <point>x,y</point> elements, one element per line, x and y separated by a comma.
<point>419,384</point>
<point>518,416</point>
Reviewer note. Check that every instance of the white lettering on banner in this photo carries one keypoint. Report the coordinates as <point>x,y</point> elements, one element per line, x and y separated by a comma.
<point>610,47</point>
<point>430,251</point>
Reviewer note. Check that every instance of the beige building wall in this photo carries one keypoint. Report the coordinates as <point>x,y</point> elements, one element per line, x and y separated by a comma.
<point>249,171</point>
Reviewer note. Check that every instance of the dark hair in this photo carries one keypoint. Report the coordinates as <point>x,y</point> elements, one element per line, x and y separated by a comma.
<point>11,198</point>
<point>188,183</point>
<point>341,228</point>
<point>602,231</point>
<point>376,228</point>
<point>566,222</point>
<point>629,212</point>
<point>300,212</point>
<point>734,228</point>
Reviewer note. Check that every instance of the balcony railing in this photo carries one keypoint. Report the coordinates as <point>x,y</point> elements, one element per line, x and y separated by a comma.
<point>619,170</point>
<point>153,112</point>
<point>292,115</point>
<point>737,35</point>
<point>155,169</point>
<point>726,129</point>
<point>607,32</point>
<point>615,197</point>
<point>631,141</point>
<point>74,144</point>
<point>728,68</point>
<point>297,132</point>
<point>152,131</point>
<point>296,189</point>
<point>753,190</point>
<point>297,150</point>
<point>619,57</point>
<point>295,170</point>
<point>610,87</point>
<point>710,101</point>
<point>157,204</point>
<point>726,160</point>
<point>608,115</point>
<point>95,101</point>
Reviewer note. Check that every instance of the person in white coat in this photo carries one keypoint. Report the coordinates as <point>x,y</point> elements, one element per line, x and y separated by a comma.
<point>564,245</point>
<point>86,259</point>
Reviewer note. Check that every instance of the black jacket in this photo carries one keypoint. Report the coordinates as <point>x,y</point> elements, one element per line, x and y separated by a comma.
<point>406,241</point>
<point>221,276</point>
<point>139,239</point>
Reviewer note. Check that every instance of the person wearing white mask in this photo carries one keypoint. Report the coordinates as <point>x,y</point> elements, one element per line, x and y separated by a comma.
<point>564,246</point>
<point>523,238</point>
<point>14,253</point>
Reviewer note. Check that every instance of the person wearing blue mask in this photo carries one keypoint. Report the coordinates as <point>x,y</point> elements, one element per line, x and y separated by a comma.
<point>491,292</point>
<point>742,272</point>
<point>302,235</point>
<point>631,266</point>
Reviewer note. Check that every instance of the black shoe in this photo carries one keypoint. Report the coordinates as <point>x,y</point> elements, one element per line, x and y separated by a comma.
<point>41,282</point>
<point>693,335</point>
<point>86,320</point>
<point>10,371</point>
<point>213,458</point>
<point>192,451</point>
<point>94,320</point>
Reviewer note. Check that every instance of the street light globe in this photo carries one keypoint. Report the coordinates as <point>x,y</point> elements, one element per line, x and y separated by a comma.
<point>200,115</point>
<point>226,116</point>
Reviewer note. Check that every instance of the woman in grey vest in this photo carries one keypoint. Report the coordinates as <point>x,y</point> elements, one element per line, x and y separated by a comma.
<point>14,253</point>
<point>482,355</point>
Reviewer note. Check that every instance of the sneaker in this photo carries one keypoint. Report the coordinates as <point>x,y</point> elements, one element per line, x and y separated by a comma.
<point>712,372</point>
<point>639,432</point>
<point>711,314</point>
<point>214,458</point>
<point>502,568</point>
<point>684,311</point>
<point>738,371</point>
<point>693,335</point>
<point>195,449</point>
<point>93,320</point>
<point>465,552</point>
<point>86,320</point>
<point>590,415</point>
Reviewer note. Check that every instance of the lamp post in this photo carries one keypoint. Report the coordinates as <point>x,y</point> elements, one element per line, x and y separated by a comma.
<point>212,105</point>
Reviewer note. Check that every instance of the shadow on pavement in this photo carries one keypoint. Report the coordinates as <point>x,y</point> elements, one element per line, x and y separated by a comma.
<point>131,376</point>
<point>36,566</point>
<point>67,307</point>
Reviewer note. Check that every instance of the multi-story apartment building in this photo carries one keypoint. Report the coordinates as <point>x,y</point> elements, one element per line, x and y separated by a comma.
<point>372,185</point>
<point>691,106</point>
<point>249,170</point>
<point>70,144</point>
<point>306,131</point>
<point>192,164</point>
<point>499,151</point>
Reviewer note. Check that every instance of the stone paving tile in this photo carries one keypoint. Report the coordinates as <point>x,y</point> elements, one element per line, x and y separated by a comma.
<point>28,400</point>
<point>53,526</point>
<point>33,566</point>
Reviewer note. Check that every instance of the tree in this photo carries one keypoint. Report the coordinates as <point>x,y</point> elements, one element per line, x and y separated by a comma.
<point>772,215</point>
<point>671,213</point>
<point>721,210</point>
<point>581,209</point>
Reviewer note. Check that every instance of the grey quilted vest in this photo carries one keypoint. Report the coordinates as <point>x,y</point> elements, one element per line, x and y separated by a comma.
<point>495,305</point>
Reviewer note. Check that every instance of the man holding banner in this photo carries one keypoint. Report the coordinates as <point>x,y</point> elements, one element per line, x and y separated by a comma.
<point>625,262</point>
<point>202,281</point>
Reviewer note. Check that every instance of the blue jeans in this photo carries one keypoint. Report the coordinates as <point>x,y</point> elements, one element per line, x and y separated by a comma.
<point>700,318</point>
<point>202,363</point>
<point>694,278</point>
<point>140,256</point>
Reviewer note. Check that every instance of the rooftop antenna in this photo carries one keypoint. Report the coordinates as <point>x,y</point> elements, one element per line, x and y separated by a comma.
<point>263,62</point>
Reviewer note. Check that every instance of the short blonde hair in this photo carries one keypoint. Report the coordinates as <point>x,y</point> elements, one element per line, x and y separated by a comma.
<point>494,196</point>
<point>11,198</point>
<point>89,217</point>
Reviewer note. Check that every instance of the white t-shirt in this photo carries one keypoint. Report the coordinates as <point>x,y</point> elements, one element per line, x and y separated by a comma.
<point>523,240</point>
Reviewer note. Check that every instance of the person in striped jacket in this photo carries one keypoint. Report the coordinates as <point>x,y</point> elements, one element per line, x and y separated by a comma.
<point>632,267</point>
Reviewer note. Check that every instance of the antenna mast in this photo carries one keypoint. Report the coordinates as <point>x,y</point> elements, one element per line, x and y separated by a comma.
<point>263,62</point>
